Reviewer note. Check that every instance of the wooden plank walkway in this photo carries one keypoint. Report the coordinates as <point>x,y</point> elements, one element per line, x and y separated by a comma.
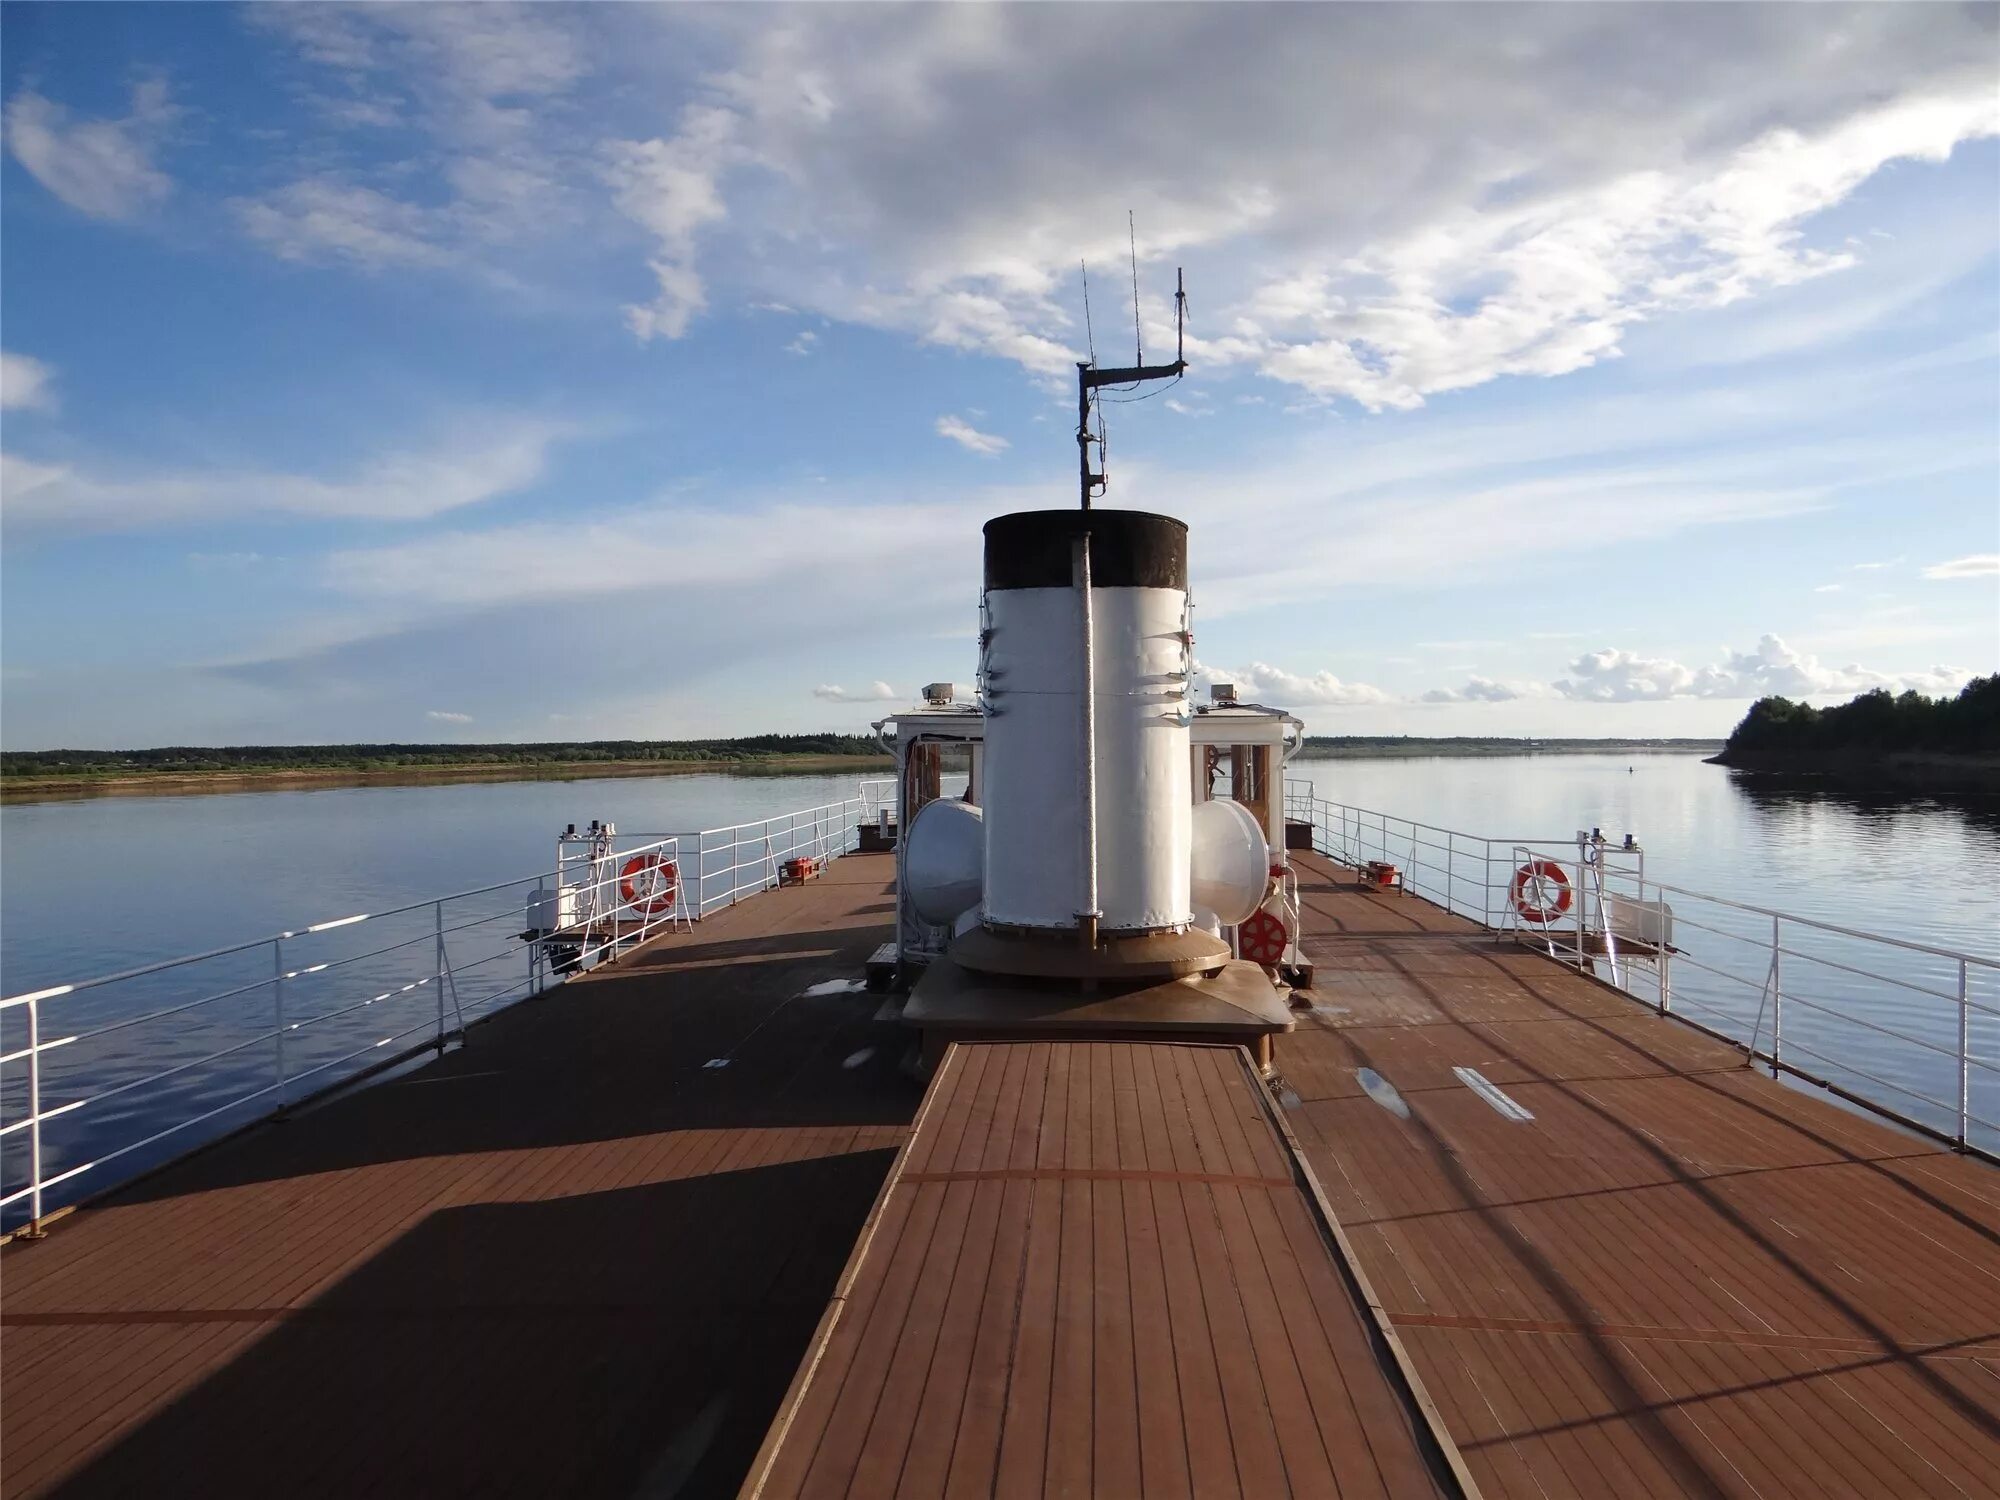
<point>1095,1270</point>
<point>1678,1277</point>
<point>567,1259</point>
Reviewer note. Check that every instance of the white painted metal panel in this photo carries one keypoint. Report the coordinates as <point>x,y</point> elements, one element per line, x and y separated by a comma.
<point>1033,788</point>
<point>942,858</point>
<point>1232,863</point>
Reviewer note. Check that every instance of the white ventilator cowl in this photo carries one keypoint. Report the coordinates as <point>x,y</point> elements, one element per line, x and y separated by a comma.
<point>944,860</point>
<point>1232,863</point>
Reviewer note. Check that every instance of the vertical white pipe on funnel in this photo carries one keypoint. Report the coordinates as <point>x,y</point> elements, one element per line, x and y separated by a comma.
<point>1087,913</point>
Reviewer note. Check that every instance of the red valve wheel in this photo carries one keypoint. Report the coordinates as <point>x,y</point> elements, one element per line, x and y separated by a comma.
<point>1262,939</point>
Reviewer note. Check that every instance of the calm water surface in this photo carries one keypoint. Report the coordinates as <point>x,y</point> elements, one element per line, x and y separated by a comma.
<point>92,886</point>
<point>1916,867</point>
<point>96,885</point>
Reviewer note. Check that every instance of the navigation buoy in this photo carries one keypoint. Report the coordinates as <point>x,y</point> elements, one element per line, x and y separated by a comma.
<point>1541,891</point>
<point>649,884</point>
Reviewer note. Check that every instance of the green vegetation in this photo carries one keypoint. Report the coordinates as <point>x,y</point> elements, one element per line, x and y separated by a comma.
<point>1369,745</point>
<point>181,760</point>
<point>1879,726</point>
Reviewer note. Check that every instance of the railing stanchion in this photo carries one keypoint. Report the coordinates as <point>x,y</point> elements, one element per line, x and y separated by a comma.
<point>278,1012</point>
<point>437,978</point>
<point>541,907</point>
<point>1666,959</point>
<point>34,1229</point>
<point>1777,999</point>
<point>1964,1057</point>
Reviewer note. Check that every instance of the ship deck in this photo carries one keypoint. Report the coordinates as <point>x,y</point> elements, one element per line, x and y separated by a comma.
<point>572,1257</point>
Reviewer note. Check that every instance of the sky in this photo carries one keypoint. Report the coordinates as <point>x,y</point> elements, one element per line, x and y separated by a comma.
<point>438,372</point>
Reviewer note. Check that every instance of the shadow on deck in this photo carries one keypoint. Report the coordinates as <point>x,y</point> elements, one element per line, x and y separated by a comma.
<point>566,1258</point>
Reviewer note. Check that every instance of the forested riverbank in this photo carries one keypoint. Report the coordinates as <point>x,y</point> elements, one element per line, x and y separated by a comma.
<point>1881,739</point>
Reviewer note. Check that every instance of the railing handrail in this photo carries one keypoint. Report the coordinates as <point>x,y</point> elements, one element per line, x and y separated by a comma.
<point>1455,870</point>
<point>1862,933</point>
<point>599,930</point>
<point>180,960</point>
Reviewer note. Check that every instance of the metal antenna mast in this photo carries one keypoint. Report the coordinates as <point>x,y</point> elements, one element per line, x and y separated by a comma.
<point>1090,379</point>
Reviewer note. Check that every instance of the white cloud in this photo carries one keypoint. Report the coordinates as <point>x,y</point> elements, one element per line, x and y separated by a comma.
<point>1364,510</point>
<point>672,188</point>
<point>875,692</point>
<point>1826,588</point>
<point>479,66</point>
<point>1875,567</point>
<point>485,460</point>
<point>1573,272</point>
<point>503,164</point>
<point>1978,565</point>
<point>324,219</point>
<point>1772,667</point>
<point>103,168</point>
<point>803,344</point>
<point>755,548</point>
<point>914,169</point>
<point>24,383</point>
<point>444,716</point>
<point>932,188</point>
<point>1261,682</point>
<point>1479,689</point>
<point>969,437</point>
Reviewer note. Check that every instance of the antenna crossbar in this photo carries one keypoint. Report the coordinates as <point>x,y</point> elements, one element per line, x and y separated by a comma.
<point>1089,378</point>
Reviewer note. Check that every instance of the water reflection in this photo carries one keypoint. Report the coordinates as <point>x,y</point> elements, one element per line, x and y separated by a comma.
<point>1776,795</point>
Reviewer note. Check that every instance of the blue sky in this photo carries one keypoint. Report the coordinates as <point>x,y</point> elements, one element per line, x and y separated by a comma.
<point>438,372</point>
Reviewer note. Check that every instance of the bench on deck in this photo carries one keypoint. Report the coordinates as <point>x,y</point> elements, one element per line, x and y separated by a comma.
<point>1102,1268</point>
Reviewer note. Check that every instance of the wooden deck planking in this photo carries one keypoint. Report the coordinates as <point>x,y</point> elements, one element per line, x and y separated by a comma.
<point>563,1259</point>
<point>569,1259</point>
<point>1164,1218</point>
<point>1680,1277</point>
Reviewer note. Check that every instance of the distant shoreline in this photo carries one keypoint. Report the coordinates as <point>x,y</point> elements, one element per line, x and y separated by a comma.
<point>170,783</point>
<point>1410,749</point>
<point>15,789</point>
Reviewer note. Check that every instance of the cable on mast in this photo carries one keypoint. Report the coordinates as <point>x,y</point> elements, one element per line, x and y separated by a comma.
<point>1132,239</point>
<point>1089,336</point>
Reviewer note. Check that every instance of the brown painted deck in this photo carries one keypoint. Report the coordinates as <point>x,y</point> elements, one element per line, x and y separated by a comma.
<point>1680,1278</point>
<point>1095,1271</point>
<point>565,1260</point>
<point>569,1260</point>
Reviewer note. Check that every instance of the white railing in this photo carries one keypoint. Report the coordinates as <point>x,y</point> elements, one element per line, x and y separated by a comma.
<point>105,1077</point>
<point>1910,1030</point>
<point>879,796</point>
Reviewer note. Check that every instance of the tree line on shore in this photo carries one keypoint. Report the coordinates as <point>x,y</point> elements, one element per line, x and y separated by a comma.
<point>1876,723</point>
<point>386,757</point>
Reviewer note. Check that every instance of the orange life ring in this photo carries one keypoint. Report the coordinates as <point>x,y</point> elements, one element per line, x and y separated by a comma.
<point>1261,938</point>
<point>649,884</point>
<point>1544,876</point>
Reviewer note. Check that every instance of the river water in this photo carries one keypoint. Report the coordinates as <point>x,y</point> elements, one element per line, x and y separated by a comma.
<point>90,886</point>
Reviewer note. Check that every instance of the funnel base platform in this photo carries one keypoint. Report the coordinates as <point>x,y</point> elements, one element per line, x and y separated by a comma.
<point>1236,1004</point>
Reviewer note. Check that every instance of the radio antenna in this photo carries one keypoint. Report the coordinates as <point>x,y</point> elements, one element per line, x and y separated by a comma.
<point>1090,379</point>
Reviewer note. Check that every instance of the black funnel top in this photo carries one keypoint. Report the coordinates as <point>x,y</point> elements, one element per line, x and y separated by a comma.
<point>1129,549</point>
